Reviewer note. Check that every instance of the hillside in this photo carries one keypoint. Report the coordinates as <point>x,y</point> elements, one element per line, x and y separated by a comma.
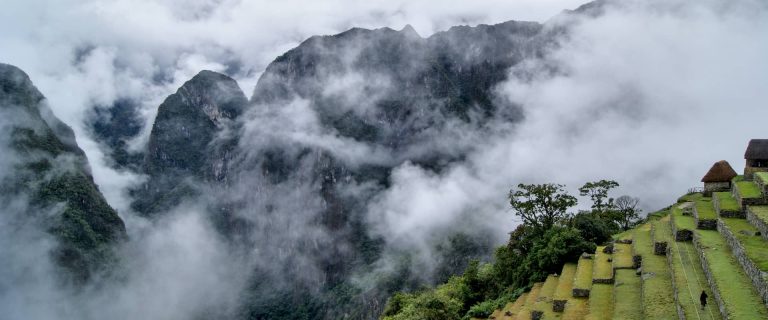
<point>657,270</point>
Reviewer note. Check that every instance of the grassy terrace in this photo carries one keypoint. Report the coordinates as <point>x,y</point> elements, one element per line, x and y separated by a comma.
<point>658,296</point>
<point>565,284</point>
<point>544,301</point>
<point>761,212</point>
<point>762,176</point>
<point>681,221</point>
<point>583,279</point>
<point>525,311</point>
<point>512,307</point>
<point>691,197</point>
<point>576,309</point>
<point>755,246</point>
<point>691,280</point>
<point>740,298</point>
<point>727,202</point>
<point>601,302</point>
<point>748,190</point>
<point>603,268</point>
<point>622,255</point>
<point>705,209</point>
<point>627,295</point>
<point>662,231</point>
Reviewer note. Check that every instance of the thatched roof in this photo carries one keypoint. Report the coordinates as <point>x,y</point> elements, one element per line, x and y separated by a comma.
<point>757,149</point>
<point>721,171</point>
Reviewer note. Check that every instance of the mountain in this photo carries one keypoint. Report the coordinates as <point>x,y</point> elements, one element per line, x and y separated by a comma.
<point>47,175</point>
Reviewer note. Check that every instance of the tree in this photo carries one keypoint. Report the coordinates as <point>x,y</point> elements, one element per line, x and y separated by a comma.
<point>598,192</point>
<point>541,205</point>
<point>627,211</point>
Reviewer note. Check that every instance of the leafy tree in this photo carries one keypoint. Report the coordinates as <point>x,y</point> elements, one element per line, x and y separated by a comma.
<point>627,211</point>
<point>593,228</point>
<point>541,205</point>
<point>598,192</point>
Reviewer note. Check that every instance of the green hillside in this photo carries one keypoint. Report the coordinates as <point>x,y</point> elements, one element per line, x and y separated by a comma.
<point>655,270</point>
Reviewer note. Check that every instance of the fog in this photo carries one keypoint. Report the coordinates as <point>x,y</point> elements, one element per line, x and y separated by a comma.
<point>650,94</point>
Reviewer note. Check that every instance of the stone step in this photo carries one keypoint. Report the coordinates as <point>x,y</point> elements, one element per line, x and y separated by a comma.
<point>731,288</point>
<point>657,294</point>
<point>749,249</point>
<point>582,282</point>
<point>564,291</point>
<point>688,281</point>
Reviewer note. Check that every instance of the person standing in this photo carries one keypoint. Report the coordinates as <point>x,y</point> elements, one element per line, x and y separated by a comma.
<point>703,299</point>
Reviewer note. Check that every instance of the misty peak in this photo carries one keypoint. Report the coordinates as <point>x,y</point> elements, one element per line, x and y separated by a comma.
<point>409,31</point>
<point>16,88</point>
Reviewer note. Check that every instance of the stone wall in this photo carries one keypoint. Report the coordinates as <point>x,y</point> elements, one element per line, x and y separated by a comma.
<point>710,278</point>
<point>759,224</point>
<point>580,293</point>
<point>537,315</point>
<point>750,171</point>
<point>680,235</point>
<point>710,187</point>
<point>558,305</point>
<point>750,268</point>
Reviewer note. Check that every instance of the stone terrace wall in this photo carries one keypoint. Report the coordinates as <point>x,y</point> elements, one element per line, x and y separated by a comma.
<point>710,278</point>
<point>680,235</point>
<point>752,271</point>
<point>659,247</point>
<point>758,223</point>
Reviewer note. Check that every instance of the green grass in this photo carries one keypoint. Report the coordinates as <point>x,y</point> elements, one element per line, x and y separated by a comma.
<point>565,284</point>
<point>658,299</point>
<point>748,190</point>
<point>682,222</point>
<point>691,280</point>
<point>662,231</point>
<point>755,246</point>
<point>544,301</point>
<point>513,308</point>
<point>603,268</point>
<point>705,209</point>
<point>740,298</point>
<point>627,295</point>
<point>727,202</point>
<point>622,255</point>
<point>691,197</point>
<point>524,313</point>
<point>576,309</point>
<point>583,279</point>
<point>760,212</point>
<point>600,302</point>
<point>623,235</point>
<point>762,176</point>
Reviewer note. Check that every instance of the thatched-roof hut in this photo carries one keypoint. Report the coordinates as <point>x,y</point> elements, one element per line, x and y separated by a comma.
<point>756,156</point>
<point>718,178</point>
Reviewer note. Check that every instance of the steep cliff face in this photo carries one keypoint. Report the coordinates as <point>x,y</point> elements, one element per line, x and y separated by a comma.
<point>48,174</point>
<point>183,144</point>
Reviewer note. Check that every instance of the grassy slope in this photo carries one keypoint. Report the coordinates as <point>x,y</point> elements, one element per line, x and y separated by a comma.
<point>761,212</point>
<point>755,246</point>
<point>627,295</point>
<point>583,279</point>
<point>682,222</point>
<point>576,309</point>
<point>762,176</point>
<point>705,209</point>
<point>525,311</point>
<point>691,280</point>
<point>603,268</point>
<point>622,255</point>
<point>727,202</point>
<point>748,190</point>
<point>658,298</point>
<point>741,300</point>
<point>600,302</point>
<point>565,284</point>
<point>544,301</point>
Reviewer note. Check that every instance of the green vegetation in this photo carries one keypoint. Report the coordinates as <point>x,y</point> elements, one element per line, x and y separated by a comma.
<point>682,222</point>
<point>740,298</point>
<point>603,268</point>
<point>662,232</point>
<point>544,301</point>
<point>691,197</point>
<point>600,302</point>
<point>627,292</point>
<point>622,256</point>
<point>762,176</point>
<point>583,279</point>
<point>658,302</point>
<point>727,202</point>
<point>755,246</point>
<point>690,280</point>
<point>705,209</point>
<point>565,283</point>
<point>748,190</point>
<point>576,309</point>
<point>760,212</point>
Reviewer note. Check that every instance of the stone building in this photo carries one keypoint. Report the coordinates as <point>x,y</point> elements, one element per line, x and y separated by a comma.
<point>718,178</point>
<point>757,157</point>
